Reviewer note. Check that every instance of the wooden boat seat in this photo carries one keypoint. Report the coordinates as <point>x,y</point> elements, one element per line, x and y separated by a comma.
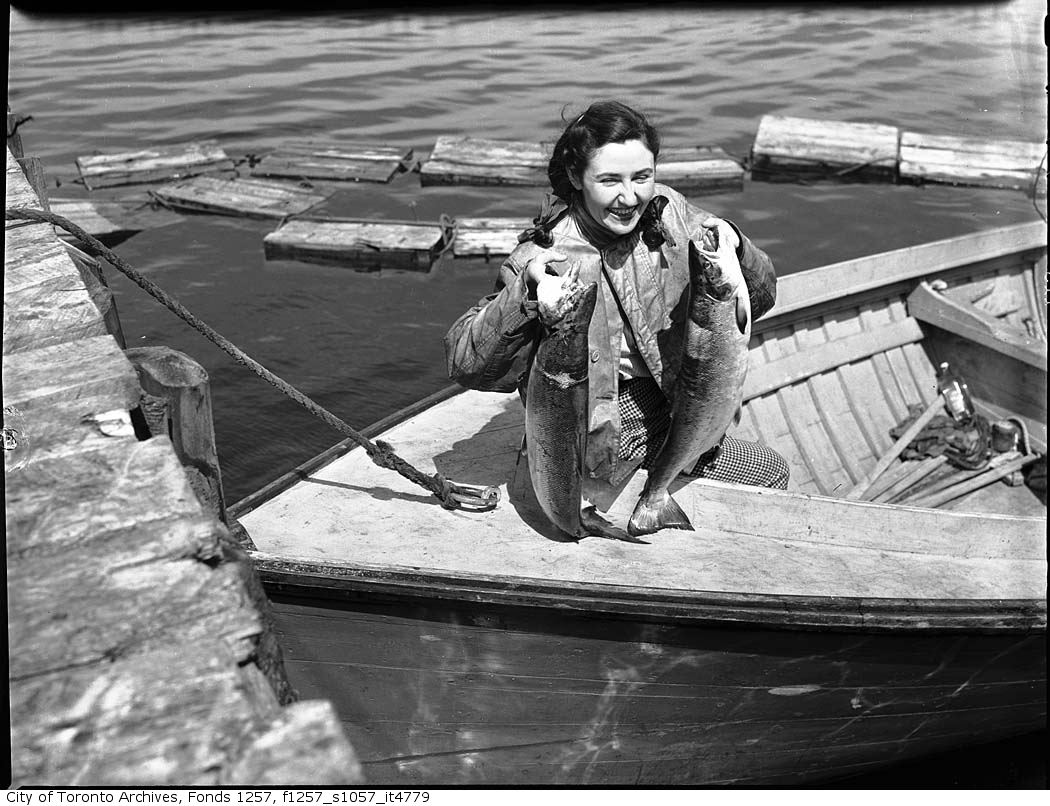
<point>967,320</point>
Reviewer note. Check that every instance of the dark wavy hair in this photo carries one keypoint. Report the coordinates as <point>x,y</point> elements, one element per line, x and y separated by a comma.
<point>604,122</point>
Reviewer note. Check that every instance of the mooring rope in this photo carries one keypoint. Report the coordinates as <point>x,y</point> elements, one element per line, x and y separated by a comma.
<point>451,494</point>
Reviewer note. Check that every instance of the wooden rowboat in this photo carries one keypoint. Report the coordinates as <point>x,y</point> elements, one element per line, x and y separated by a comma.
<point>793,636</point>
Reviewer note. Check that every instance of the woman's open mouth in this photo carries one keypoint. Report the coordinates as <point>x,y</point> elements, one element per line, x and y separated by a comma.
<point>623,213</point>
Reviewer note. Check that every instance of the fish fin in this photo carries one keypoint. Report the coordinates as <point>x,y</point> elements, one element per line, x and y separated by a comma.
<point>653,515</point>
<point>596,526</point>
<point>743,306</point>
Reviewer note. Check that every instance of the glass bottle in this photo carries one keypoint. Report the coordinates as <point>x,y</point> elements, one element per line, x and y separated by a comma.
<point>955,392</point>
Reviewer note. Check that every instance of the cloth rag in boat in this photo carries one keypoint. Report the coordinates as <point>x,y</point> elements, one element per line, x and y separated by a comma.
<point>966,444</point>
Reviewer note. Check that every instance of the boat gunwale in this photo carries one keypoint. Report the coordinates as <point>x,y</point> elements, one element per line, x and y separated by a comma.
<point>283,574</point>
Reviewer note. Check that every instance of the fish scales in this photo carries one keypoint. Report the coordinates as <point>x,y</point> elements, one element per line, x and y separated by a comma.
<point>708,389</point>
<point>556,414</point>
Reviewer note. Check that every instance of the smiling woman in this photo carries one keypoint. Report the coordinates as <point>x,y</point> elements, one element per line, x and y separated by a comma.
<point>655,259</point>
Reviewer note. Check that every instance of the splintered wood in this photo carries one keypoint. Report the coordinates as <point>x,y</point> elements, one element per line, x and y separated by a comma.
<point>792,145</point>
<point>254,198</point>
<point>475,161</point>
<point>153,164</point>
<point>139,652</point>
<point>338,162</point>
<point>360,245</point>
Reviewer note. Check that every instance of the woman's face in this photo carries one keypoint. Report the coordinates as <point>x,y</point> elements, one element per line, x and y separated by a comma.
<point>617,184</point>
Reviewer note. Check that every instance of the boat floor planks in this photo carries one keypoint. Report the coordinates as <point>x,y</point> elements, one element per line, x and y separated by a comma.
<point>254,198</point>
<point>820,546</point>
<point>336,162</point>
<point>360,245</point>
<point>159,163</point>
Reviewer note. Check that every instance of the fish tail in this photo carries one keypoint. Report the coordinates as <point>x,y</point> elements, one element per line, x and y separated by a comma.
<point>594,525</point>
<point>653,513</point>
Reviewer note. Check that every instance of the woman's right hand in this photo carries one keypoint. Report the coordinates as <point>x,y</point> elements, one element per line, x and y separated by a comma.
<point>553,292</point>
<point>536,268</point>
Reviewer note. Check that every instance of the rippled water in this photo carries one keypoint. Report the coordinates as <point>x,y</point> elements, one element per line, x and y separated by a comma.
<point>365,345</point>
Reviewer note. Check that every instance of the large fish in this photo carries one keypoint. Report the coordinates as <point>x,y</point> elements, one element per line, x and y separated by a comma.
<point>556,420</point>
<point>710,382</point>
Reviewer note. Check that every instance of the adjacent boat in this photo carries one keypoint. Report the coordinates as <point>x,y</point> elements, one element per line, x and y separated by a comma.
<point>793,636</point>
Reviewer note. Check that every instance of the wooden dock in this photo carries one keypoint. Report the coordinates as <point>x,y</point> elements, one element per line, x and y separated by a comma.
<point>140,644</point>
<point>485,237</point>
<point>788,146</point>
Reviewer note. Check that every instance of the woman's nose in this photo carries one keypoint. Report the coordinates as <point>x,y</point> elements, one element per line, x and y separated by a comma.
<point>627,195</point>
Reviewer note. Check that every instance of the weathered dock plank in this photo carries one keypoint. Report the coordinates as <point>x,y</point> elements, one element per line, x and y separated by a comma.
<point>139,646</point>
<point>483,237</point>
<point>361,245</point>
<point>341,162</point>
<point>153,164</point>
<point>254,198</point>
<point>969,160</point>
<point>790,146</point>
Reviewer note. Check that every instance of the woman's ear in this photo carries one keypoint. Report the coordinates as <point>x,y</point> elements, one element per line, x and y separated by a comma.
<point>576,183</point>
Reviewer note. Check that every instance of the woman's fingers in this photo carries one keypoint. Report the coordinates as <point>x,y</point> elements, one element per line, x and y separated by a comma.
<point>536,269</point>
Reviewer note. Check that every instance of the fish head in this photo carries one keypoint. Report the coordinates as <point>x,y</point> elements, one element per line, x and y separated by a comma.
<point>715,276</point>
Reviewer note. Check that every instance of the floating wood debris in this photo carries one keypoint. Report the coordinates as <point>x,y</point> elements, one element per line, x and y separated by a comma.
<point>109,221</point>
<point>363,245</point>
<point>970,160</point>
<point>699,169</point>
<point>343,162</point>
<point>255,198</point>
<point>153,164</point>
<point>474,161</point>
<point>790,146</point>
<point>487,236</point>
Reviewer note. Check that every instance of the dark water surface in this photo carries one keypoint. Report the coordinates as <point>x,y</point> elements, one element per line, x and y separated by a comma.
<point>365,345</point>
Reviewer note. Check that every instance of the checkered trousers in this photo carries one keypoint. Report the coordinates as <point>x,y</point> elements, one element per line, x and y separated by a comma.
<point>645,417</point>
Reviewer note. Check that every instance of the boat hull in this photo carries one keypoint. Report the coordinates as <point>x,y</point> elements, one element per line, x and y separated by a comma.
<point>438,693</point>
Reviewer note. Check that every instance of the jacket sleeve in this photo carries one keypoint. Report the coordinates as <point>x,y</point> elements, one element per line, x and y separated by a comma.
<point>488,347</point>
<point>759,274</point>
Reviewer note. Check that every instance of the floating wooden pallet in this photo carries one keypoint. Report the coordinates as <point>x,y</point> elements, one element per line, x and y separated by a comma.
<point>790,146</point>
<point>255,198</point>
<point>970,160</point>
<point>153,164</point>
<point>705,169</point>
<point>362,245</point>
<point>343,162</point>
<point>109,221</point>
<point>487,236</point>
<point>474,161</point>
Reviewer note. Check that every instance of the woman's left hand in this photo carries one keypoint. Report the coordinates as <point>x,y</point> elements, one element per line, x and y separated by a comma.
<point>726,234</point>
